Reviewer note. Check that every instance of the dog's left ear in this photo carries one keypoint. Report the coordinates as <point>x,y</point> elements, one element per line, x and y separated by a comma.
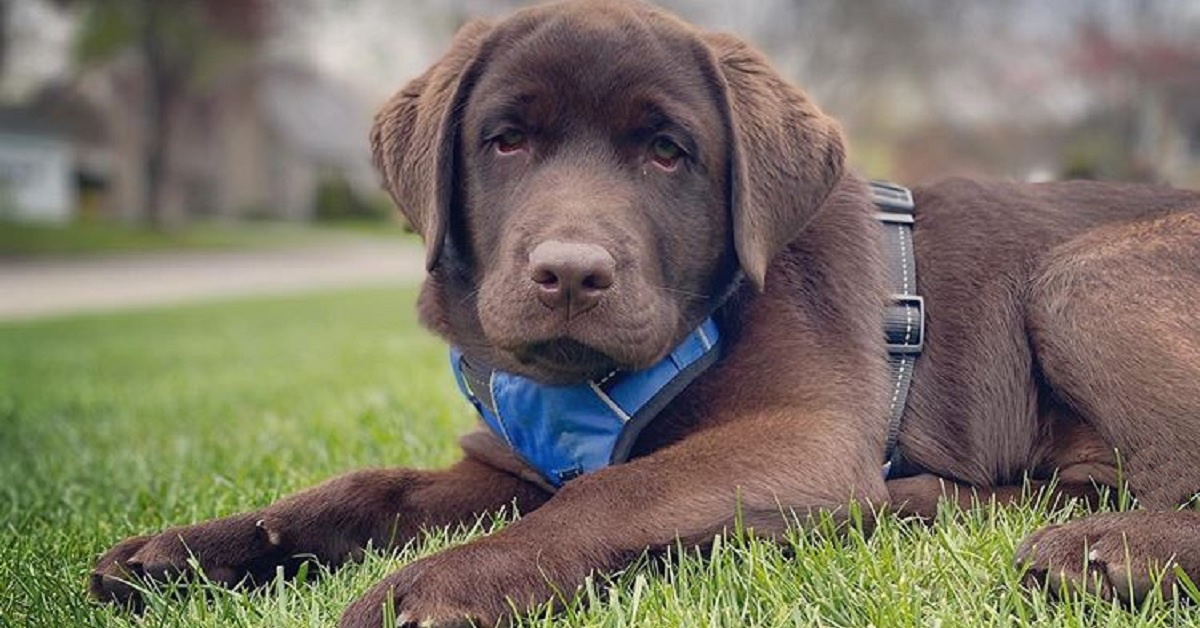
<point>414,138</point>
<point>785,155</point>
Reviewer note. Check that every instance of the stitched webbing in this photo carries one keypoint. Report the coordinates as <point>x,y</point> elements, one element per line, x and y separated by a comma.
<point>904,319</point>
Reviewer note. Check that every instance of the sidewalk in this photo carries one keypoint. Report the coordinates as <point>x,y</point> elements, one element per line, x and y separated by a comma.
<point>64,286</point>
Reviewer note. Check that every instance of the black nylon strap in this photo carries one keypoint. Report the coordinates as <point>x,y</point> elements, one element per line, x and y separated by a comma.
<point>479,383</point>
<point>650,411</point>
<point>904,319</point>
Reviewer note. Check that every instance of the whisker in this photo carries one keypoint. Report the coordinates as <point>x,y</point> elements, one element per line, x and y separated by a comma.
<point>469,296</point>
<point>693,295</point>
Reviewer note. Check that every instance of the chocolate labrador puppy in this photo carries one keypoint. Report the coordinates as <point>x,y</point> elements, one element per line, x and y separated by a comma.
<point>595,179</point>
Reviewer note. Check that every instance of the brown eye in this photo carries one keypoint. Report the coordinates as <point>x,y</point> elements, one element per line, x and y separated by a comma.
<point>510,141</point>
<point>665,152</point>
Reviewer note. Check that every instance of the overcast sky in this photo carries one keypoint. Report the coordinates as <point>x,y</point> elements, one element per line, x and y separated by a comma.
<point>41,38</point>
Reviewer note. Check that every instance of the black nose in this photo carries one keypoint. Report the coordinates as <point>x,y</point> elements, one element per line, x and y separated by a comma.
<point>571,275</point>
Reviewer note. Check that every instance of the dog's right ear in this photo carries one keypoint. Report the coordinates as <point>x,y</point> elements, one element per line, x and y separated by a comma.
<point>414,137</point>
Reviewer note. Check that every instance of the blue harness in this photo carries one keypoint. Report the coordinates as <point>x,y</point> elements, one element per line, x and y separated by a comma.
<point>567,431</point>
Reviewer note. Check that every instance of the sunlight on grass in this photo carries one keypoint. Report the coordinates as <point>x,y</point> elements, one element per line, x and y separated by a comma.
<point>122,424</point>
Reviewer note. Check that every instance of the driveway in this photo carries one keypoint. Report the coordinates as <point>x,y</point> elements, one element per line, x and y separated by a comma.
<point>30,289</point>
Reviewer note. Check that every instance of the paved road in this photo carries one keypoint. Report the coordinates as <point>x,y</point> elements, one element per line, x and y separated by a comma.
<point>30,289</point>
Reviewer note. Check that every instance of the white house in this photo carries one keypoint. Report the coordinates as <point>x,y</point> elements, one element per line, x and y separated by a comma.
<point>36,170</point>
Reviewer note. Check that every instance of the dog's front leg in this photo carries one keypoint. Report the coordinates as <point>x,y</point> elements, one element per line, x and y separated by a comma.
<point>329,523</point>
<point>764,471</point>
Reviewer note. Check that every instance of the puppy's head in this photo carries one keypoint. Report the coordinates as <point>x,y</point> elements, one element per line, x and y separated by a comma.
<point>588,178</point>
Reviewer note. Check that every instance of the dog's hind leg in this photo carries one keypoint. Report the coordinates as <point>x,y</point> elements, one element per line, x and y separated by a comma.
<point>1114,317</point>
<point>918,496</point>
<point>1122,555</point>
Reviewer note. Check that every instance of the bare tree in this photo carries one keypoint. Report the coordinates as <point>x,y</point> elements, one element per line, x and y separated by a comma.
<point>176,42</point>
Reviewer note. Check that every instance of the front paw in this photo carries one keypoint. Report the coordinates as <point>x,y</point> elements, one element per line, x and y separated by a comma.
<point>1113,555</point>
<point>114,577</point>
<point>477,584</point>
<point>229,551</point>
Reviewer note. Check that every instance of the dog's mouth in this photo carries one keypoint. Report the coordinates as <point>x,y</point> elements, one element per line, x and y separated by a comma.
<point>623,333</point>
<point>564,361</point>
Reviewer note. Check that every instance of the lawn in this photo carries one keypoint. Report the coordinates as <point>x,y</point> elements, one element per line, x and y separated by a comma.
<point>121,424</point>
<point>84,237</point>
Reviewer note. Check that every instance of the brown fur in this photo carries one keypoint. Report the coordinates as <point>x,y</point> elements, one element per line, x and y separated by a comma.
<point>1062,327</point>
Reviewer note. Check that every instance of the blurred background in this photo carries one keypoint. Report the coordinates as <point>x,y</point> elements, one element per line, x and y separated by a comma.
<point>141,123</point>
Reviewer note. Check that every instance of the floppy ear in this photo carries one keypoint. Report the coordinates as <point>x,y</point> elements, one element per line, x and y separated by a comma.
<point>414,137</point>
<point>785,155</point>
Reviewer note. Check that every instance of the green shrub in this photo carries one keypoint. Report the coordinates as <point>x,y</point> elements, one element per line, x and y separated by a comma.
<point>337,200</point>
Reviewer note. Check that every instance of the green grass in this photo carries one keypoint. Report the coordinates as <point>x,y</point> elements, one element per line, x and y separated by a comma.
<point>24,240</point>
<point>122,424</point>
